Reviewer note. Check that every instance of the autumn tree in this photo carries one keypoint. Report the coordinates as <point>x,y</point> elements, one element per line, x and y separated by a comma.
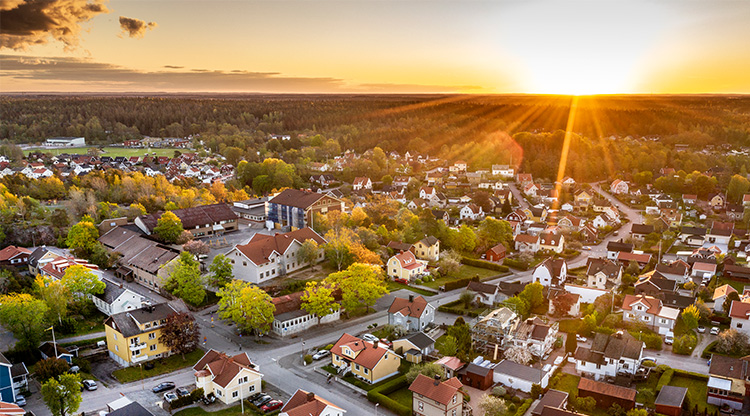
<point>338,247</point>
<point>50,368</point>
<point>184,280</point>
<point>360,285</point>
<point>737,187</point>
<point>248,306</point>
<point>82,237</point>
<point>492,232</point>
<point>318,299</point>
<point>81,281</point>
<point>196,247</point>
<point>221,271</point>
<point>168,227</point>
<point>54,294</point>
<point>690,317</point>
<point>62,396</point>
<point>23,315</point>
<point>180,333</point>
<point>562,304</point>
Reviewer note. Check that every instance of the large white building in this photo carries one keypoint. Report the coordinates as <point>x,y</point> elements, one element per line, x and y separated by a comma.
<point>66,141</point>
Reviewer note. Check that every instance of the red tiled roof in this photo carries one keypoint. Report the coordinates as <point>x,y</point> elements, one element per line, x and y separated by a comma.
<point>526,238</point>
<point>303,403</point>
<point>366,354</point>
<point>261,246</point>
<point>12,251</point>
<point>224,368</point>
<point>739,310</point>
<point>441,392</point>
<point>652,303</point>
<point>414,308</point>
<point>605,389</point>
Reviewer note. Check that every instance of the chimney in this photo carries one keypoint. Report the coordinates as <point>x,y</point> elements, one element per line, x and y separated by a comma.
<point>375,344</point>
<point>310,396</point>
<point>411,298</point>
<point>436,382</point>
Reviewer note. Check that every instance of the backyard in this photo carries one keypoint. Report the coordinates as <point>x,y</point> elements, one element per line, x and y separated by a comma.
<point>162,366</point>
<point>465,272</point>
<point>402,396</point>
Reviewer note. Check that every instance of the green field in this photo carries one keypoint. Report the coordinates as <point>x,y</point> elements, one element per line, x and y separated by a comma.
<point>108,151</point>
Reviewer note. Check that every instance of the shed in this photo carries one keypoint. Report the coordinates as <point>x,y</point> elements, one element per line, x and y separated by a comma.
<point>553,398</point>
<point>477,376</point>
<point>671,400</point>
<point>413,356</point>
<point>607,394</point>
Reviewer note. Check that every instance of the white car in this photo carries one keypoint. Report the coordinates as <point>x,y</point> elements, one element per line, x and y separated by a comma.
<point>370,337</point>
<point>558,360</point>
<point>321,354</point>
<point>669,339</point>
<point>715,330</point>
<point>170,397</point>
<point>701,329</point>
<point>580,338</point>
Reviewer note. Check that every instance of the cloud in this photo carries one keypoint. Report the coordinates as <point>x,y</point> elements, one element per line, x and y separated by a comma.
<point>135,28</point>
<point>173,67</point>
<point>76,74</point>
<point>29,22</point>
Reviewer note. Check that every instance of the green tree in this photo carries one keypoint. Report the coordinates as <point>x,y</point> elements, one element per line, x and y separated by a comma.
<point>518,305</point>
<point>466,297</point>
<point>428,369</point>
<point>536,391</point>
<point>338,247</point>
<point>62,397</point>
<point>50,368</point>
<point>308,253</point>
<point>737,187</point>
<point>491,232</point>
<point>82,237</point>
<point>221,271</point>
<point>54,294</point>
<point>461,332</point>
<point>731,297</point>
<point>23,315</point>
<point>184,280</point>
<point>533,293</point>
<point>571,343</point>
<point>492,406</point>
<point>168,227</point>
<point>360,285</point>
<point>690,317</point>
<point>318,299</point>
<point>248,306</point>
<point>585,404</point>
<point>81,282</point>
<point>180,333</point>
<point>449,346</point>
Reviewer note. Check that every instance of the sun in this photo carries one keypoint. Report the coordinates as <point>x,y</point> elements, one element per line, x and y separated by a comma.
<point>584,79</point>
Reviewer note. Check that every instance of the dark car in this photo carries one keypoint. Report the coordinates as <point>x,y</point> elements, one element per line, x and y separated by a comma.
<point>260,401</point>
<point>272,405</point>
<point>255,396</point>
<point>208,399</point>
<point>167,385</point>
<point>182,392</point>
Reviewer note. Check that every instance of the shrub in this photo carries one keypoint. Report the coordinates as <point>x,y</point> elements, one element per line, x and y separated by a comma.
<point>584,404</point>
<point>648,363</point>
<point>665,379</point>
<point>536,391</point>
<point>524,407</point>
<point>460,283</point>
<point>328,347</point>
<point>83,364</point>
<point>685,344</point>
<point>485,264</point>
<point>512,408</point>
<point>380,395</point>
<point>308,359</point>
<point>418,281</point>
<point>498,391</point>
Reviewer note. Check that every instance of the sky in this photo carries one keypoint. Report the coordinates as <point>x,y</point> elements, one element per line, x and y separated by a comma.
<point>363,46</point>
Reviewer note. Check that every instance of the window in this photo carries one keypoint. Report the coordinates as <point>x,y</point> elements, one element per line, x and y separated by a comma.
<point>739,324</point>
<point>117,348</point>
<point>251,389</point>
<point>115,337</point>
<point>453,413</point>
<point>218,392</point>
<point>454,399</point>
<point>152,335</point>
<point>356,367</point>
<point>152,347</point>
<point>234,394</point>
<point>244,263</point>
<point>420,406</point>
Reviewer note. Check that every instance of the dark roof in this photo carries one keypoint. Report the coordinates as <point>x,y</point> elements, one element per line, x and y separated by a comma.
<point>111,292</point>
<point>552,398</point>
<point>663,285</point>
<point>133,409</point>
<point>429,241</point>
<point>519,371</point>
<point>671,396</point>
<point>18,370</point>
<point>421,340</point>
<point>479,287</point>
<point>296,198</point>
<point>612,346</point>
<point>127,323</point>
<point>554,411</point>
<point>677,301</point>
<point>476,369</point>
<point>195,216</point>
<point>727,367</point>
<point>3,359</point>
<point>137,250</point>
<point>677,268</point>
<point>511,289</point>
<point>693,231</point>
<point>48,349</point>
<point>610,268</point>
<point>619,246</point>
<point>642,229</point>
<point>399,246</point>
<point>585,354</point>
<point>605,389</point>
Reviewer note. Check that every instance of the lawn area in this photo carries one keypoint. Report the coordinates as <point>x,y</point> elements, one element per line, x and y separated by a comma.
<point>697,390</point>
<point>464,272</point>
<point>402,396</point>
<point>357,382</point>
<point>457,307</point>
<point>162,366</point>
<point>647,390</point>
<point>84,342</point>
<point>567,383</point>
<point>108,151</point>
<point>231,411</point>
<point>394,286</point>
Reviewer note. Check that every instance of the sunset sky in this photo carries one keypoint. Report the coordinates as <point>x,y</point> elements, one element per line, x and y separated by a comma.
<point>527,46</point>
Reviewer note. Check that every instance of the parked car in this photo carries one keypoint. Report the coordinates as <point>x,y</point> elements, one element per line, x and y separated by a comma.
<point>89,385</point>
<point>321,354</point>
<point>586,247</point>
<point>369,337</point>
<point>167,385</point>
<point>558,360</point>
<point>170,397</point>
<point>75,369</point>
<point>271,406</point>
<point>580,338</point>
<point>20,400</point>
<point>701,329</point>
<point>648,359</point>
<point>182,392</point>
<point>255,396</point>
<point>385,342</point>
<point>208,399</point>
<point>715,330</point>
<point>669,339</point>
<point>260,401</point>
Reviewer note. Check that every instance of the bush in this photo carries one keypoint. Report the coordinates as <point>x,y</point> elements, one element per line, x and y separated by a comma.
<point>66,326</point>
<point>584,404</point>
<point>328,347</point>
<point>524,407</point>
<point>648,363</point>
<point>308,359</point>
<point>665,379</point>
<point>460,283</point>
<point>380,395</point>
<point>83,364</point>
<point>516,264</point>
<point>512,408</point>
<point>498,391</point>
<point>485,264</point>
<point>652,340</point>
<point>193,397</point>
<point>536,391</point>
<point>418,281</point>
<point>685,344</point>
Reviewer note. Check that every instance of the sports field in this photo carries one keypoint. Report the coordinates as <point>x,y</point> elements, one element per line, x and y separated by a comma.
<point>108,151</point>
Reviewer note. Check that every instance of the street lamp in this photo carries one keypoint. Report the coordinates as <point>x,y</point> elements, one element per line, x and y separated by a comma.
<point>376,408</point>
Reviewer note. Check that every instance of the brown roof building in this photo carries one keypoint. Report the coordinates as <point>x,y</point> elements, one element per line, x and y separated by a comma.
<point>203,220</point>
<point>304,403</point>
<point>228,378</point>
<point>607,394</point>
<point>435,397</point>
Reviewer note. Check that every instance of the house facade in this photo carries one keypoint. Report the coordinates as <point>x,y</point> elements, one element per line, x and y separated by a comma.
<point>133,336</point>
<point>650,311</point>
<point>368,361</point>
<point>229,379</point>
<point>295,208</point>
<point>414,313</point>
<point>609,355</point>
<point>405,267</point>
<point>551,272</point>
<point>603,273</point>
<point>427,248</point>
<point>205,220</point>
<point>117,299</point>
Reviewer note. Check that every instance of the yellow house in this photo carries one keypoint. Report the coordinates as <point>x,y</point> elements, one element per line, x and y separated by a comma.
<point>368,361</point>
<point>133,336</point>
<point>427,248</point>
<point>432,397</point>
<point>230,379</point>
<point>583,198</point>
<point>405,266</point>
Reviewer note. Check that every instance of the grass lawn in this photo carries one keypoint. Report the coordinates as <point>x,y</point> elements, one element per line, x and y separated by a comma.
<point>697,390</point>
<point>402,396</point>
<point>108,151</point>
<point>643,395</point>
<point>162,366</point>
<point>567,383</point>
<point>357,382</point>
<point>457,307</point>
<point>231,411</point>
<point>393,286</point>
<point>464,272</point>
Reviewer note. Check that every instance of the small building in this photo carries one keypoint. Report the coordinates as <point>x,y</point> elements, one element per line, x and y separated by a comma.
<point>413,313</point>
<point>555,399</point>
<point>230,379</point>
<point>477,376</point>
<point>50,350</point>
<point>603,273</point>
<point>303,403</point>
<point>671,400</point>
<point>496,254</point>
<point>66,141</point>
<point>519,376</point>
<point>130,409</point>
<point>484,293</point>
<point>19,374</point>
<point>720,295</point>
<point>295,208</point>
<point>14,256</point>
<point>204,220</point>
<point>740,313</point>
<point>607,394</point>
<point>726,381</point>
<point>414,347</point>
<point>551,272</point>
<point>405,267</point>
<point>451,365</point>
<point>650,311</point>
<point>116,299</point>
<point>290,318</point>
<point>368,361</point>
<point>436,398</point>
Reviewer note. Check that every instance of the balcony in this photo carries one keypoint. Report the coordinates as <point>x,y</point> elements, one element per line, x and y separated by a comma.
<point>134,347</point>
<point>138,358</point>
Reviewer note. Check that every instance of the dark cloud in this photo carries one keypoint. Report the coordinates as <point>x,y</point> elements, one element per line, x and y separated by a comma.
<point>135,28</point>
<point>29,22</point>
<point>173,67</point>
<point>77,74</point>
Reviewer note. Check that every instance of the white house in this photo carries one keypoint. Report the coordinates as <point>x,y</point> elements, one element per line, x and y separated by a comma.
<point>650,311</point>
<point>526,243</point>
<point>230,379</point>
<point>740,314</point>
<point>720,295</point>
<point>471,212</point>
<point>619,187</point>
<point>413,313</point>
<point>361,183</point>
<point>551,272</point>
<point>587,294</point>
<point>519,376</point>
<point>609,355</point>
<point>116,298</point>
<point>504,171</point>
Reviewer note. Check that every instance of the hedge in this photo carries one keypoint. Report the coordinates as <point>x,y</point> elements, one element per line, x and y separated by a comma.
<point>379,395</point>
<point>460,283</point>
<point>688,374</point>
<point>193,397</point>
<point>454,308</point>
<point>484,264</point>
<point>516,264</point>
<point>665,379</point>
<point>524,407</point>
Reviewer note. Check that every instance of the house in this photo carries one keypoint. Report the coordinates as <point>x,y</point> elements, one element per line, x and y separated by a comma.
<point>19,374</point>
<point>554,399</point>
<point>427,248</point>
<point>405,267</point>
<point>479,377</point>
<point>414,347</point>
<point>574,300</point>
<point>625,258</point>
<point>607,394</point>
<point>230,379</point>
<point>451,365</point>
<point>692,236</point>
<point>504,171</point>
<point>484,293</point>
<point>587,294</point>
<point>537,213</point>
<point>290,318</point>
<point>551,272</point>
<point>12,409</point>
<point>14,256</point>
<point>141,259</point>
<point>650,311</point>
<point>519,376</point>
<point>361,183</point>
<point>295,208</point>
<point>432,397</point>
<point>536,336</point>
<point>603,273</point>
<point>678,271</point>
<point>427,192</point>
<point>704,271</point>
<point>56,268</point>
<point>459,166</point>
<point>736,272</point>
<point>368,361</point>
<point>671,400</point>
<point>689,199</point>
<point>720,233</point>
<point>52,350</point>
<point>204,220</point>
<point>134,336</point>
<point>717,201</point>
<point>116,299</point>
<point>619,187</point>
<point>265,257</point>
<point>532,190</point>
<point>495,254</point>
<point>615,247</point>
<point>526,243</point>
<point>638,232</point>
<point>727,378</point>
<point>471,212</point>
<point>524,179</point>
<point>518,216</point>
<point>7,390</point>
<point>739,312</point>
<point>401,181</point>
<point>413,313</point>
<point>720,295</point>
<point>304,403</point>
<point>652,284</point>
<point>583,199</point>
<point>609,355</point>
<point>551,242</point>
<point>673,217</point>
<point>493,332</point>
<point>251,209</point>
<point>571,223</point>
